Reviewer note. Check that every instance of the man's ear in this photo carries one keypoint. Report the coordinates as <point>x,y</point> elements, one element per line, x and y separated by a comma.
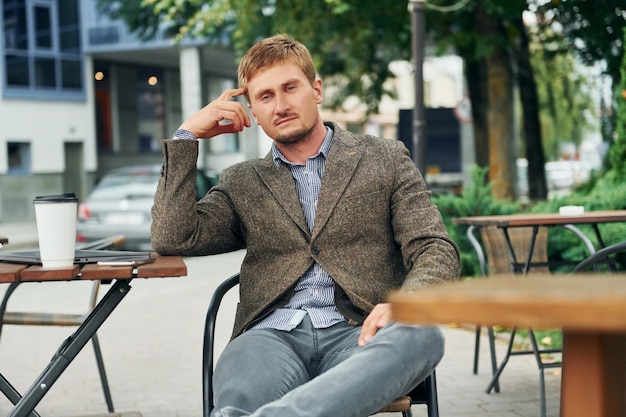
<point>317,86</point>
<point>253,114</point>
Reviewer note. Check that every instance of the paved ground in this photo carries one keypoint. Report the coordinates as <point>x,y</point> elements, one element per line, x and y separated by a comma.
<point>152,351</point>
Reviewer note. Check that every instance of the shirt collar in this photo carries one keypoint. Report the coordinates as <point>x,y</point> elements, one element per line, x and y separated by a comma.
<point>324,149</point>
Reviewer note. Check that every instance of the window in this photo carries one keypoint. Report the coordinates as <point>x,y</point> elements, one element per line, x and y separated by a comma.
<point>17,70</point>
<point>69,27</point>
<point>45,72</point>
<point>19,158</point>
<point>42,49</point>
<point>43,27</point>
<point>15,29</point>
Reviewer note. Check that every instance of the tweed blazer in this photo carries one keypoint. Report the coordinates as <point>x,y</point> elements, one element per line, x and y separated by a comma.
<point>376,229</point>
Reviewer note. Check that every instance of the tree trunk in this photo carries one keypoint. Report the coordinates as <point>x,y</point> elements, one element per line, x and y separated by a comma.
<point>500,122</point>
<point>499,111</point>
<point>475,73</point>
<point>537,189</point>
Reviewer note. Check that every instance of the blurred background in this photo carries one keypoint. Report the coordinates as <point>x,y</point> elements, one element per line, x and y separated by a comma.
<point>529,90</point>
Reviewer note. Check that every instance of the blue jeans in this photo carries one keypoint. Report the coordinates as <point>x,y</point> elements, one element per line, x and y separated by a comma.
<point>322,372</point>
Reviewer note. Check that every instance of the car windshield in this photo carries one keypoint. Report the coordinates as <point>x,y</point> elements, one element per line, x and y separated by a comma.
<point>126,186</point>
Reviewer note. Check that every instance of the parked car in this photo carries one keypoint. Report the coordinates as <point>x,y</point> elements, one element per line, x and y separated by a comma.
<point>121,201</point>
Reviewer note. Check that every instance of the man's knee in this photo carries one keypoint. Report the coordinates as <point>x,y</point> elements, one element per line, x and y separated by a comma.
<point>423,342</point>
<point>255,369</point>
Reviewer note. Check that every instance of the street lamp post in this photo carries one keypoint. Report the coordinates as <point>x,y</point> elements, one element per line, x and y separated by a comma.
<point>416,7</point>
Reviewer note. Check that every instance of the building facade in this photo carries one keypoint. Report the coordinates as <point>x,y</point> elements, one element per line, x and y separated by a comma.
<point>81,95</point>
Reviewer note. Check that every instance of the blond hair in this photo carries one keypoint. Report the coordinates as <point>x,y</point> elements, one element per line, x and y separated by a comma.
<point>271,51</point>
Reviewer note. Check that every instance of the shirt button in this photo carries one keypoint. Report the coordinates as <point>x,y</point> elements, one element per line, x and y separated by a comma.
<point>315,250</point>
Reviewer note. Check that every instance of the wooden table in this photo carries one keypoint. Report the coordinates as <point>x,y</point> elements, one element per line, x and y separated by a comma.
<point>544,219</point>
<point>120,276</point>
<point>591,310</point>
<point>536,220</point>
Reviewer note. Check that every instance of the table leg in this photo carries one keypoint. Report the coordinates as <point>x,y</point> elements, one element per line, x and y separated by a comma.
<point>596,230</point>
<point>70,348</point>
<point>594,375</point>
<point>11,393</point>
<point>5,300</point>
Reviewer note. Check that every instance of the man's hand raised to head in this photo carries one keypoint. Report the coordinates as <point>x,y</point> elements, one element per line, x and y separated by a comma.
<point>207,122</point>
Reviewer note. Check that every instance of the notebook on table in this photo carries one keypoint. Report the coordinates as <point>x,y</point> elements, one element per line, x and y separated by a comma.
<point>81,256</point>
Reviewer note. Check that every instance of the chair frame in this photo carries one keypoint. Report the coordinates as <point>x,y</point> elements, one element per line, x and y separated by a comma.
<point>65,319</point>
<point>425,393</point>
<point>515,245</point>
<point>602,255</point>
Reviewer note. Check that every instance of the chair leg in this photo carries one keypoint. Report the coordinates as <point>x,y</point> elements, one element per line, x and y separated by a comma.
<point>495,379</point>
<point>542,392</point>
<point>494,361</point>
<point>407,413</point>
<point>477,348</point>
<point>433,404</point>
<point>542,367</point>
<point>103,375</point>
<point>492,352</point>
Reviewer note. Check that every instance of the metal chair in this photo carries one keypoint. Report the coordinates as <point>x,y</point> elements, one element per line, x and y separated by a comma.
<point>425,393</point>
<point>603,255</point>
<point>498,261</point>
<point>502,261</point>
<point>65,319</point>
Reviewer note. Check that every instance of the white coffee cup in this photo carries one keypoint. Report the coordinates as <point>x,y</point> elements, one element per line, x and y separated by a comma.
<point>56,228</point>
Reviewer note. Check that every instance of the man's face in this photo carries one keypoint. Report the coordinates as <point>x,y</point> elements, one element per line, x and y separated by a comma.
<point>284,103</point>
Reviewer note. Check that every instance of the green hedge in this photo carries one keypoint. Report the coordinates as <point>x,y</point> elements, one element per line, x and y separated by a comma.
<point>599,193</point>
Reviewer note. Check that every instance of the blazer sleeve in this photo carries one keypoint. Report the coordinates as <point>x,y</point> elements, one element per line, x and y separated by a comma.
<point>428,252</point>
<point>182,226</point>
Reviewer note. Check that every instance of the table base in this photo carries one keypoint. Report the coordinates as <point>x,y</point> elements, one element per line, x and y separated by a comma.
<point>68,350</point>
<point>594,374</point>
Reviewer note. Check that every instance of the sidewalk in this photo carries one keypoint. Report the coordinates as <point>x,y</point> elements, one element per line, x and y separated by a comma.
<point>152,351</point>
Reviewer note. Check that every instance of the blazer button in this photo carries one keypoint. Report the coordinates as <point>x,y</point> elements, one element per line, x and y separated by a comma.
<point>315,250</point>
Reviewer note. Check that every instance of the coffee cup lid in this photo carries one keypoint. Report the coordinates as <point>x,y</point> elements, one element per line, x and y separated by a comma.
<point>58,198</point>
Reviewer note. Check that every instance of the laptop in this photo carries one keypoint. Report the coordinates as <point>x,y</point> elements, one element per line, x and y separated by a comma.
<point>81,256</point>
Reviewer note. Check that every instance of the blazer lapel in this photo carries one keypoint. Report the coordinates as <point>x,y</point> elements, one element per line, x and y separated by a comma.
<point>281,185</point>
<point>344,156</point>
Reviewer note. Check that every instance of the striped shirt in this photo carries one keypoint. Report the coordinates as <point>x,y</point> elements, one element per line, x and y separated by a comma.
<point>315,290</point>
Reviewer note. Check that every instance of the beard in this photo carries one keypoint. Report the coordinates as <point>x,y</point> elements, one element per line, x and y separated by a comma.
<point>299,135</point>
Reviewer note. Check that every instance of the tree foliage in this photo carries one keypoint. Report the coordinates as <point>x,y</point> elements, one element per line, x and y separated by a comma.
<point>564,91</point>
<point>476,199</point>
<point>592,30</point>
<point>352,41</point>
<point>617,154</point>
<point>491,37</point>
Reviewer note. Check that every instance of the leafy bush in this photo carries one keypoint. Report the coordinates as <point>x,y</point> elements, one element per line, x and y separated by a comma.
<point>605,194</point>
<point>617,153</point>
<point>600,193</point>
<point>475,200</point>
